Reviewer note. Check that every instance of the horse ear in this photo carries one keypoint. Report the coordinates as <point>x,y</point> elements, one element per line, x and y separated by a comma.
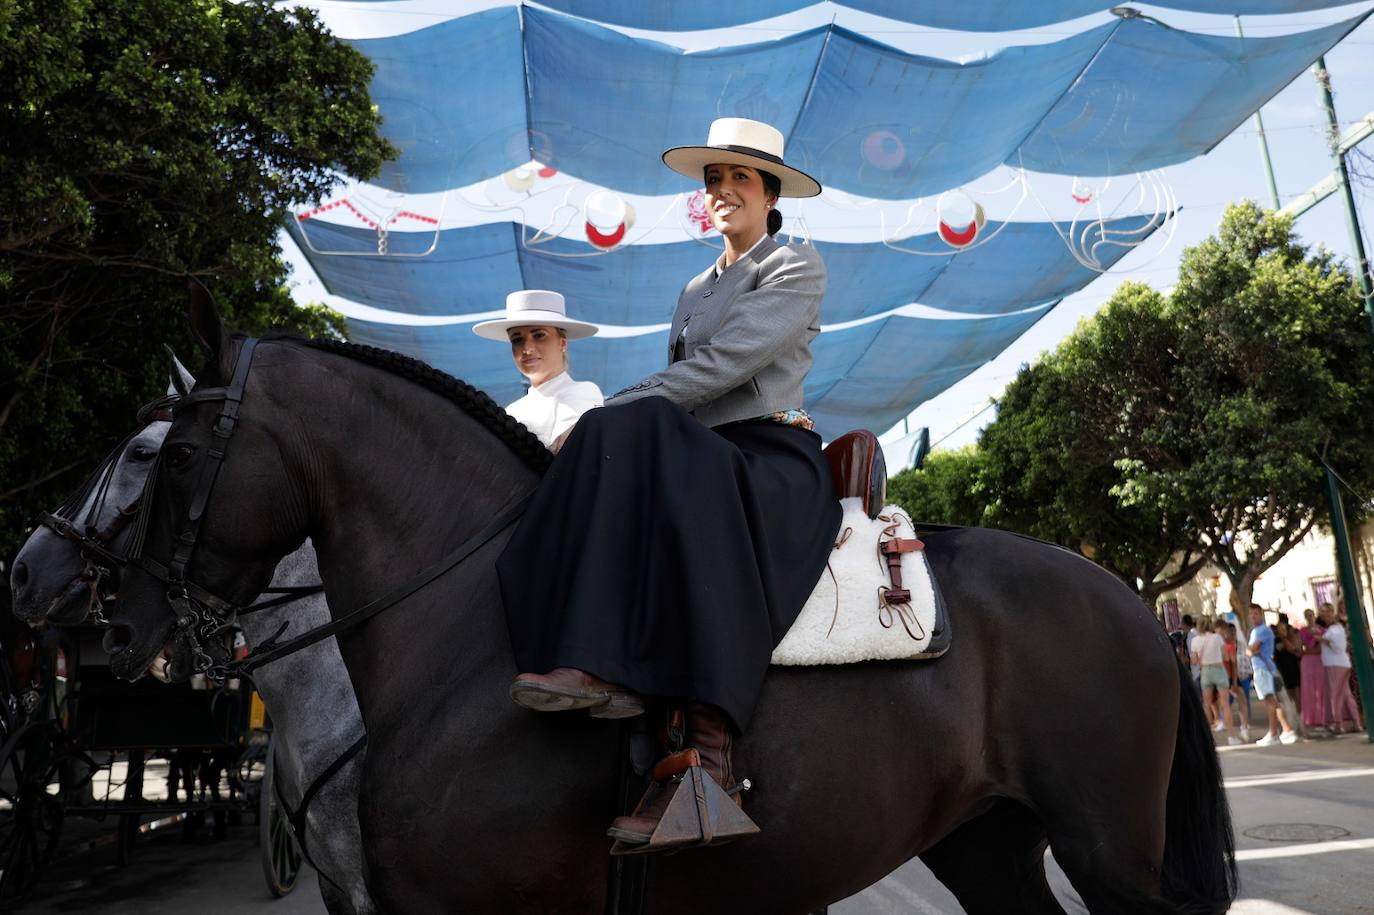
<point>208,327</point>
<point>182,380</point>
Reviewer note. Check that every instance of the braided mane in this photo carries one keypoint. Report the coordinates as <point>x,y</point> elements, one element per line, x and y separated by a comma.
<point>476,404</point>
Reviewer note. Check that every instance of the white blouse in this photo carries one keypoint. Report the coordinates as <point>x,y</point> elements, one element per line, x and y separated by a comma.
<point>554,407</point>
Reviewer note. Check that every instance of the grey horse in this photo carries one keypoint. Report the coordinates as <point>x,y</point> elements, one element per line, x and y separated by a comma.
<point>315,715</point>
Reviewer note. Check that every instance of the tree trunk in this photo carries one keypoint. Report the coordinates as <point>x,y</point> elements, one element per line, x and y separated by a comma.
<point>1242,593</point>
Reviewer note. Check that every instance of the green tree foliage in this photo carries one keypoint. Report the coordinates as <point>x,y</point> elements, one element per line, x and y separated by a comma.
<point>1049,461</point>
<point>945,491</point>
<point>143,142</point>
<point>1174,429</point>
<point>1269,369</point>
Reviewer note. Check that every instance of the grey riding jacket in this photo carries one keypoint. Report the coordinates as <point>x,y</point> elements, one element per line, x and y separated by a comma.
<point>740,343</point>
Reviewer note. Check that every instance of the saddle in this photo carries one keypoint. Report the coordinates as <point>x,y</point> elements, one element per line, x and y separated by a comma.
<point>858,469</point>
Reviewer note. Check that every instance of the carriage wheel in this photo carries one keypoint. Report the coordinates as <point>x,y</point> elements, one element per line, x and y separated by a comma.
<point>30,810</point>
<point>281,855</point>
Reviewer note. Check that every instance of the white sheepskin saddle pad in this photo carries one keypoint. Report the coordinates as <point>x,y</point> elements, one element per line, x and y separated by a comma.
<point>846,619</point>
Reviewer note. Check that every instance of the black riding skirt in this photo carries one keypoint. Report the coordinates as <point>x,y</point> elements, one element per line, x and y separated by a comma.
<point>668,557</point>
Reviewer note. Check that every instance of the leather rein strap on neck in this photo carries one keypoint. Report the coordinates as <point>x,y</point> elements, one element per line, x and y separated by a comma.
<point>271,651</point>
<point>201,615</point>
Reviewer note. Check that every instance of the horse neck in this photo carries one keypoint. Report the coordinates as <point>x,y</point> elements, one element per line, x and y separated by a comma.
<point>315,723</point>
<point>397,480</point>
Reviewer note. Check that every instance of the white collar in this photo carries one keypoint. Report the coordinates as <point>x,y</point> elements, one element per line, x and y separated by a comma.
<point>554,386</point>
<point>720,261</point>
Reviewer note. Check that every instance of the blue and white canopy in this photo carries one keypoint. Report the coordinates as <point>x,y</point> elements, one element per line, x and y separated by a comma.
<point>501,97</point>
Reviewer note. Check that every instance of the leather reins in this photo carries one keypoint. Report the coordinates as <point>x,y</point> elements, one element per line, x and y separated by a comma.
<point>75,520</point>
<point>201,614</point>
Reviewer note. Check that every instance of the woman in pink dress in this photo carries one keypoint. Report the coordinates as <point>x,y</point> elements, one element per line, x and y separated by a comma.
<point>1314,710</point>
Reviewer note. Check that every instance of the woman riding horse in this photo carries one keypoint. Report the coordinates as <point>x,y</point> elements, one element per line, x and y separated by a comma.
<point>703,506</point>
<point>538,330</point>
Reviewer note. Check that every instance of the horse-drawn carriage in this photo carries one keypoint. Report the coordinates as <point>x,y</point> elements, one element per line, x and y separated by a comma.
<point>75,741</point>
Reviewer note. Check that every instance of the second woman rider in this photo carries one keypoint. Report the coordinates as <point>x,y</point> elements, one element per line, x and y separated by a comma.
<point>538,330</point>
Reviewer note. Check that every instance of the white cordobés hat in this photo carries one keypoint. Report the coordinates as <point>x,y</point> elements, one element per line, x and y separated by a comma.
<point>740,141</point>
<point>534,308</point>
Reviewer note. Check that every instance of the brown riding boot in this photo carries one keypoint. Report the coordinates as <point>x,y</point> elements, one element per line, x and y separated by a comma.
<point>566,688</point>
<point>708,732</point>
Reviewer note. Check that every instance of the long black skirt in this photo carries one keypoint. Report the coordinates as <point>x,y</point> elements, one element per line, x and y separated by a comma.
<point>668,557</point>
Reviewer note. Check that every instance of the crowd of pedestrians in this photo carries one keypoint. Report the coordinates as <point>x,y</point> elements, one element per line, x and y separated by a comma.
<point>1289,669</point>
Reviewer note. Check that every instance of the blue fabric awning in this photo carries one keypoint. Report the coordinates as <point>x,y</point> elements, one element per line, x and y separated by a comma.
<point>474,97</point>
<point>472,269</point>
<point>968,16</point>
<point>863,377</point>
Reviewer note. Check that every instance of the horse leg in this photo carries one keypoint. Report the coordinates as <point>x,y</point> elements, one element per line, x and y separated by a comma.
<point>1114,869</point>
<point>1164,848</point>
<point>995,863</point>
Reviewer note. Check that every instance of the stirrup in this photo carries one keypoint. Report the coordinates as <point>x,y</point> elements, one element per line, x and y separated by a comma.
<point>700,813</point>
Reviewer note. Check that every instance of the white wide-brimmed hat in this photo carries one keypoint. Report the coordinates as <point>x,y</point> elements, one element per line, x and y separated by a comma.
<point>740,141</point>
<point>534,308</point>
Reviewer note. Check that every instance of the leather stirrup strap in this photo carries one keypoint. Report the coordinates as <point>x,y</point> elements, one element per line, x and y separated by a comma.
<point>892,550</point>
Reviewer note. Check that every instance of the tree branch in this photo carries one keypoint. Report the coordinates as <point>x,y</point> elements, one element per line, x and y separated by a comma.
<point>40,481</point>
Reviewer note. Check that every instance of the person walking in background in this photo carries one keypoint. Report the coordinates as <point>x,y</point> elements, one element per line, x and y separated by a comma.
<point>1336,664</point>
<point>1350,650</point>
<point>1261,651</point>
<point>1180,644</point>
<point>1190,634</point>
<point>1288,658</point>
<point>1209,651</point>
<point>1239,668</point>
<point>1313,705</point>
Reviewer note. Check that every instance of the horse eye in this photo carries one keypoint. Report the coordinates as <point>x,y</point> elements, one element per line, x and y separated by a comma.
<point>143,454</point>
<point>178,455</point>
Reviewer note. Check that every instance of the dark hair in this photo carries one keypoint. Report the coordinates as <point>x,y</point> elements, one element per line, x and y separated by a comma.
<point>772,183</point>
<point>1187,619</point>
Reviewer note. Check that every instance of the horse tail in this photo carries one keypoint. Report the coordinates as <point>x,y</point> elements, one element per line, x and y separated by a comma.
<point>1199,872</point>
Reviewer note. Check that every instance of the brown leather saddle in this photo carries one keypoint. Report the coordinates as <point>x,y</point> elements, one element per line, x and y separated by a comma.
<point>858,469</point>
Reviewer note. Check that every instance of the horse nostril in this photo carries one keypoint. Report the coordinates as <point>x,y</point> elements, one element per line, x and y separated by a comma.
<point>117,639</point>
<point>19,577</point>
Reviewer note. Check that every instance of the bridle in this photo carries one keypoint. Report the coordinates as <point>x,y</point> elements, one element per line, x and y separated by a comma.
<point>70,522</point>
<point>200,614</point>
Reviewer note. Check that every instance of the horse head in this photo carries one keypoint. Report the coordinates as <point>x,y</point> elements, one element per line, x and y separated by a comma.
<point>60,574</point>
<point>177,596</point>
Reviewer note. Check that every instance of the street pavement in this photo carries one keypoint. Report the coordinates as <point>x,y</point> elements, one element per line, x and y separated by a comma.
<point>1304,817</point>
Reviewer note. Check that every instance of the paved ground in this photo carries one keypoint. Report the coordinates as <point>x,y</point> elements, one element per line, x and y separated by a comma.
<point>1314,799</point>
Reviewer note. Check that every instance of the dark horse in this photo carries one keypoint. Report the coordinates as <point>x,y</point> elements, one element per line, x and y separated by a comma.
<point>976,762</point>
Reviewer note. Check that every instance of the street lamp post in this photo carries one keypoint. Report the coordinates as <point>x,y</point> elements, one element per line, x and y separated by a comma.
<point>1339,180</point>
<point>1354,610</point>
